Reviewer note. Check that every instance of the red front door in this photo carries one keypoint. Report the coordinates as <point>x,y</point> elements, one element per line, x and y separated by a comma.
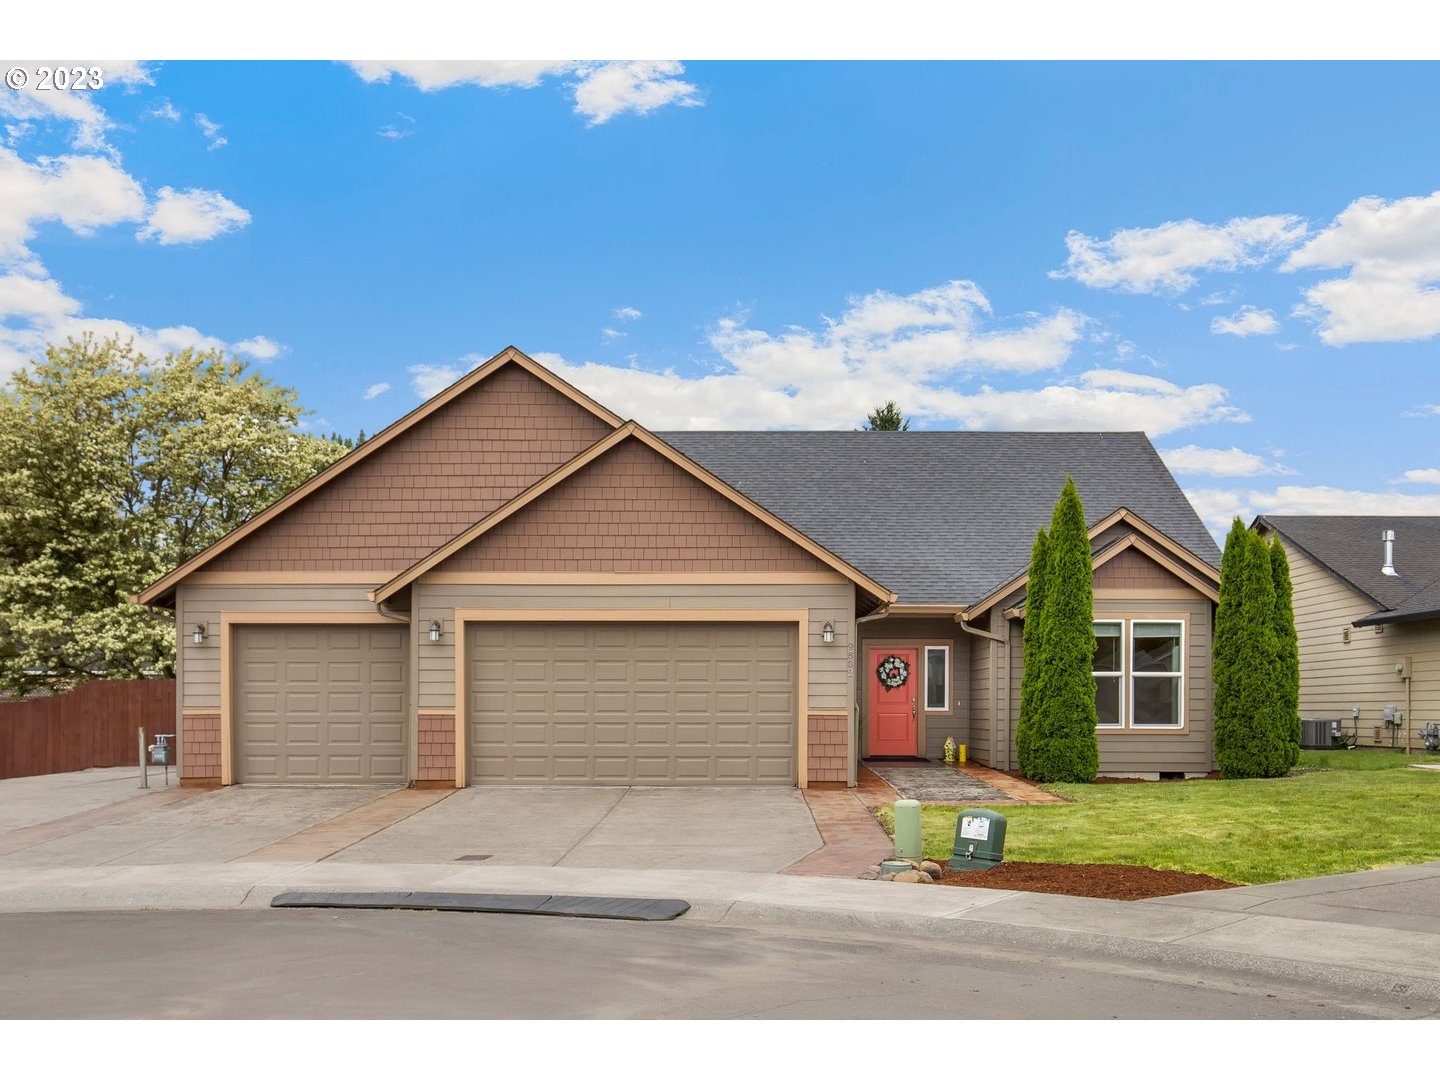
<point>892,680</point>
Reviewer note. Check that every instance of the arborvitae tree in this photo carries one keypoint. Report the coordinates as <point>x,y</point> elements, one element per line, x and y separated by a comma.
<point>1030,681</point>
<point>1287,655</point>
<point>1228,712</point>
<point>1253,737</point>
<point>1061,746</point>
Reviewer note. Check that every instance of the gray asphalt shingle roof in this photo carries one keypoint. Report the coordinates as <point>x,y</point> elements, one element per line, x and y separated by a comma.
<point>1350,546</point>
<point>943,516</point>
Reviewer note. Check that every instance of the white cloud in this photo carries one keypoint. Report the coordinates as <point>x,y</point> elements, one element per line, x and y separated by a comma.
<point>610,333</point>
<point>211,130</point>
<point>601,90</point>
<point>1422,476</point>
<point>1245,322</point>
<point>259,348</point>
<point>82,192</point>
<point>430,75</point>
<point>1217,506</point>
<point>1392,250</point>
<point>427,380</point>
<point>390,131</point>
<point>628,314</point>
<point>187,217</point>
<point>374,390</point>
<point>163,110</point>
<point>605,90</point>
<point>1166,258</point>
<point>1422,411</point>
<point>1215,462</point>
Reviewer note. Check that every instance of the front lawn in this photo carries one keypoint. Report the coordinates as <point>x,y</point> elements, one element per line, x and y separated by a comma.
<point>1341,811</point>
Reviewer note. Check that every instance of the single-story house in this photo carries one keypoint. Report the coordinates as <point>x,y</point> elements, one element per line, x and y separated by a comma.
<point>514,585</point>
<point>1367,619</point>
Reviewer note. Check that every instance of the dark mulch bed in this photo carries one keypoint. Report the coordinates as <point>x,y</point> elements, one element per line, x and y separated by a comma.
<point>1107,881</point>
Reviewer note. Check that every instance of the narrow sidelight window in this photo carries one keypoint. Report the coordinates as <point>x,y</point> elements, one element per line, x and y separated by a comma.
<point>937,678</point>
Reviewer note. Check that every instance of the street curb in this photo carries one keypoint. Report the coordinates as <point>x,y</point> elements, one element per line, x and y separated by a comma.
<point>1305,974</point>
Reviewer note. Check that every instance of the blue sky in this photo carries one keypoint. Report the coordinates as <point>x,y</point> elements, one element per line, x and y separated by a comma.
<point>1239,258</point>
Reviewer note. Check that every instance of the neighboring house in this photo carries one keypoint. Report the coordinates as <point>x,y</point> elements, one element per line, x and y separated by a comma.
<point>1367,614</point>
<point>513,585</point>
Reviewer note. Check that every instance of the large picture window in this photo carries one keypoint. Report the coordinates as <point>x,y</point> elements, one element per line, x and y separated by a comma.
<point>1139,671</point>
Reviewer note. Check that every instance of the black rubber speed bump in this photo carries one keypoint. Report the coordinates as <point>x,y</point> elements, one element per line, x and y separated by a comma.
<point>630,908</point>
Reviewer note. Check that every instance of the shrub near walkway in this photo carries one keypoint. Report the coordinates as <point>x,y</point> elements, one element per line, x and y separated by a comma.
<point>1341,811</point>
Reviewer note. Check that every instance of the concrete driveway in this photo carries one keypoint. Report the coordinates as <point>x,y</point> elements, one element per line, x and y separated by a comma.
<point>100,818</point>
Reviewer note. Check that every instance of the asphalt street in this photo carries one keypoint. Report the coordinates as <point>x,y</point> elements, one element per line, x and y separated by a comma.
<point>364,964</point>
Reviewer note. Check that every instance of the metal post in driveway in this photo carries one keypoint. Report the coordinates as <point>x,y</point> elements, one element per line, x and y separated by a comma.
<point>144,763</point>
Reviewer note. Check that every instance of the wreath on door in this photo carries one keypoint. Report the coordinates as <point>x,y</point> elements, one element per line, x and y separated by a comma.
<point>892,672</point>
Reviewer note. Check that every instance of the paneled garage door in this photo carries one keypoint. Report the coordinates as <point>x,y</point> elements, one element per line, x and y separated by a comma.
<point>320,704</point>
<point>632,703</point>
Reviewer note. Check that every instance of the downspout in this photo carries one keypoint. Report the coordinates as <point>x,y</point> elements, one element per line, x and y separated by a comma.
<point>878,613</point>
<point>995,698</point>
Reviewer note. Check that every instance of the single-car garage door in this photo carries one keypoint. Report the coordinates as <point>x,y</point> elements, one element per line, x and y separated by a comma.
<point>320,704</point>
<point>632,703</point>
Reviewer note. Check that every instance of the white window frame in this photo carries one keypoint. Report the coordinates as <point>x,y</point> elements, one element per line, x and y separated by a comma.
<point>925,660</point>
<point>1178,676</point>
<point>1118,676</point>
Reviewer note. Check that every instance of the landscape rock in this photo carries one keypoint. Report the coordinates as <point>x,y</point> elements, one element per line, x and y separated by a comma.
<point>913,877</point>
<point>870,875</point>
<point>932,868</point>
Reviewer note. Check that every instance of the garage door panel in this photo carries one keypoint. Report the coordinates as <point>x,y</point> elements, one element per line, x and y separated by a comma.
<point>632,703</point>
<point>320,704</point>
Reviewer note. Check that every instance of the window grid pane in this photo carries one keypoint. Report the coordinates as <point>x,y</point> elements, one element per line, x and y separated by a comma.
<point>1109,649</point>
<point>1156,701</point>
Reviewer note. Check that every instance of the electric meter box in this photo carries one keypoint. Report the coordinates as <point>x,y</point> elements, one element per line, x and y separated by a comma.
<point>979,840</point>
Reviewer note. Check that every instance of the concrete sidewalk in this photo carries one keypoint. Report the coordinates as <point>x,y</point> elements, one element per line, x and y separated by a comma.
<point>1340,937</point>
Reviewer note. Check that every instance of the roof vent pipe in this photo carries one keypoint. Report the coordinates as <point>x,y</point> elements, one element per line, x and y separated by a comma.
<point>1389,568</point>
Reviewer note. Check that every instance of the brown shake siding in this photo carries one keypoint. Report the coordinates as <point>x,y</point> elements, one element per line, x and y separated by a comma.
<point>828,752</point>
<point>432,481</point>
<point>201,758</point>
<point>1133,570</point>
<point>436,758</point>
<point>632,510</point>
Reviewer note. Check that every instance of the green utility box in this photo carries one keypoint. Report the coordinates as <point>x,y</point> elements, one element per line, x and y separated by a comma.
<point>979,840</point>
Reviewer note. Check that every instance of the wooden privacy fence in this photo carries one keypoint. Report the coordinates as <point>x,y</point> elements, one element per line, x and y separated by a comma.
<point>90,727</point>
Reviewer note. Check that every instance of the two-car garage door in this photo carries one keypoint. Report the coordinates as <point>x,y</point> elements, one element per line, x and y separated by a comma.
<point>631,703</point>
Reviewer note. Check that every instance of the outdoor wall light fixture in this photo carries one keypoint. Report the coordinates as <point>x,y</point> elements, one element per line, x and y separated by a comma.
<point>199,635</point>
<point>434,631</point>
<point>827,634</point>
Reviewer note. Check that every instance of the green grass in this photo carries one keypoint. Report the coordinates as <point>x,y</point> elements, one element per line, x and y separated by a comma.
<point>1353,810</point>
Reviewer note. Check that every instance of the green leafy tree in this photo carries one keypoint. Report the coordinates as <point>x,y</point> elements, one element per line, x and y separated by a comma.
<point>887,417</point>
<point>1030,679</point>
<point>1060,743</point>
<point>113,469</point>
<point>1254,737</point>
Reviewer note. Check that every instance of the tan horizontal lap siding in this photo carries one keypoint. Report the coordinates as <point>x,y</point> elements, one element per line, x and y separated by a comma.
<point>1189,750</point>
<point>829,671</point>
<point>200,667</point>
<point>982,683</point>
<point>1335,677</point>
<point>632,510</point>
<point>431,482</point>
